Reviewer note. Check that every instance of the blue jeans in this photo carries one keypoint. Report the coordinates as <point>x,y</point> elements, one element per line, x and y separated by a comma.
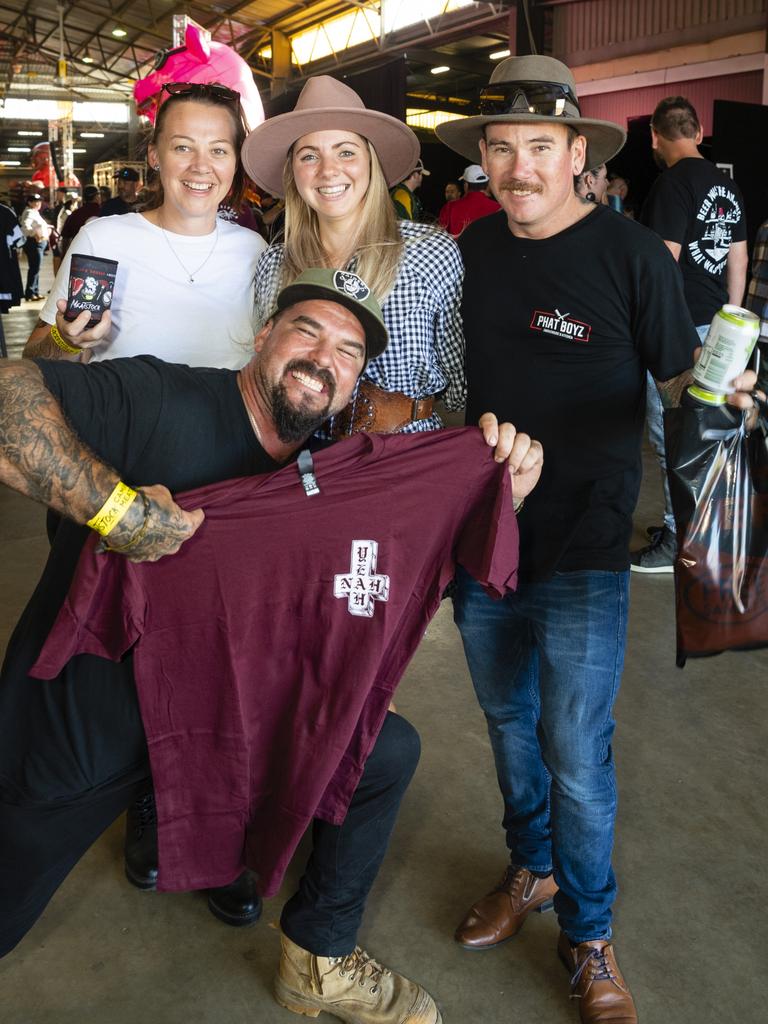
<point>34,251</point>
<point>546,664</point>
<point>654,417</point>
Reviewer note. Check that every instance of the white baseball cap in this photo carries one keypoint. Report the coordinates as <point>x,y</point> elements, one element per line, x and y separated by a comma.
<point>474,175</point>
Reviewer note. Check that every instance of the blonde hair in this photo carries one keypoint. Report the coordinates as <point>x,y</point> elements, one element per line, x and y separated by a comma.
<point>376,247</point>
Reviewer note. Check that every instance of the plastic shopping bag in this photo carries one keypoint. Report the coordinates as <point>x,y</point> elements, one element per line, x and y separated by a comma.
<point>718,478</point>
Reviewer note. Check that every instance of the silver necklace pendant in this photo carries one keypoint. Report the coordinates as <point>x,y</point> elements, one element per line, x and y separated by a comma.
<point>178,258</point>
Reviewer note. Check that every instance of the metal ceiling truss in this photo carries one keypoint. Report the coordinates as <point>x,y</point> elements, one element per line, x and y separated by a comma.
<point>31,27</point>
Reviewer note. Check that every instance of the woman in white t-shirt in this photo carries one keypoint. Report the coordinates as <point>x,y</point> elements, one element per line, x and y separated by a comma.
<point>184,292</point>
<point>184,287</point>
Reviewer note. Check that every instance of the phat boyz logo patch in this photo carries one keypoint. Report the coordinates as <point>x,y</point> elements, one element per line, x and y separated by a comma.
<point>351,285</point>
<point>561,325</point>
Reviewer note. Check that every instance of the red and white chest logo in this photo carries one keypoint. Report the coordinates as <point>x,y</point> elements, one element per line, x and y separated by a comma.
<point>361,586</point>
<point>561,325</point>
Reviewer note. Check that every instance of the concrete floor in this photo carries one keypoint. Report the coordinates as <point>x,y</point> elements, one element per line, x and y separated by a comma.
<point>690,855</point>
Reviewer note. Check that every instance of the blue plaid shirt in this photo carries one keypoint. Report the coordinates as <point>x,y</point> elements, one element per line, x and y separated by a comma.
<point>425,355</point>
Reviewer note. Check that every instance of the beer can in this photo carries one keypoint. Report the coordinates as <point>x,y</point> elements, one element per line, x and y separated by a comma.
<point>729,344</point>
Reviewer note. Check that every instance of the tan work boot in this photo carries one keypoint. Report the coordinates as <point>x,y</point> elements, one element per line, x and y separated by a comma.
<point>596,982</point>
<point>502,913</point>
<point>355,988</point>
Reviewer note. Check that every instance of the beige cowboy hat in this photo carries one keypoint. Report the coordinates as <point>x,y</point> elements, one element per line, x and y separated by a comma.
<point>325,103</point>
<point>532,89</point>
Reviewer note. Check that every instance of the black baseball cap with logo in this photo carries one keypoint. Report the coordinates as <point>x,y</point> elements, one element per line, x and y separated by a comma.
<point>127,174</point>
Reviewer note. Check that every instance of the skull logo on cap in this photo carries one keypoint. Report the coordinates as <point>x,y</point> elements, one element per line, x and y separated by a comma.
<point>351,285</point>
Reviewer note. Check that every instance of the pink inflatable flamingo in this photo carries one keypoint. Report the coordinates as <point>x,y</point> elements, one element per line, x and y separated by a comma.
<point>199,60</point>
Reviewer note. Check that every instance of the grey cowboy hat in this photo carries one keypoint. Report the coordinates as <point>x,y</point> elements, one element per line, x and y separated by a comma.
<point>326,103</point>
<point>532,89</point>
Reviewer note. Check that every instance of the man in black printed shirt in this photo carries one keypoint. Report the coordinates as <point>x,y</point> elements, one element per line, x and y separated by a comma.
<point>566,306</point>
<point>699,213</point>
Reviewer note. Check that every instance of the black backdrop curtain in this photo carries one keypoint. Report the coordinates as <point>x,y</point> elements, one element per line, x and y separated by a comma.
<point>739,134</point>
<point>382,89</point>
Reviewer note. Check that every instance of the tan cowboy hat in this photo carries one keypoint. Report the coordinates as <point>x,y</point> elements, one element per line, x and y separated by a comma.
<point>325,103</point>
<point>533,89</point>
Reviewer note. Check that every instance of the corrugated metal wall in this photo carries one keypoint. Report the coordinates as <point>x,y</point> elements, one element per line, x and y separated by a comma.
<point>614,27</point>
<point>702,92</point>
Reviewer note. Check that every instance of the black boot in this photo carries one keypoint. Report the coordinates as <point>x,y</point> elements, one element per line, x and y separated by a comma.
<point>141,843</point>
<point>237,904</point>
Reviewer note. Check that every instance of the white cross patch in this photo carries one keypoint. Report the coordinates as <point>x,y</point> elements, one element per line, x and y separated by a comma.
<point>361,586</point>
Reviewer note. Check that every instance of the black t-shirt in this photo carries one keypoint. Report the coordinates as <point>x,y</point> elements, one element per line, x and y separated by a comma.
<point>156,423</point>
<point>696,205</point>
<point>560,332</point>
<point>116,206</point>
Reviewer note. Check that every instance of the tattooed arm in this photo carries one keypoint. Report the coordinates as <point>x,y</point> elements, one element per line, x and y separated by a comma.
<point>671,391</point>
<point>75,333</point>
<point>42,458</point>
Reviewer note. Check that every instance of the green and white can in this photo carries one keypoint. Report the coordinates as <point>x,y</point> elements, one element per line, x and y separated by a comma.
<point>729,344</point>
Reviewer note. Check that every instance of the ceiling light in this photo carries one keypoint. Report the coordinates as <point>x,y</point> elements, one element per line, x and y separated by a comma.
<point>10,163</point>
<point>79,150</point>
<point>91,135</point>
<point>87,58</point>
<point>498,54</point>
<point>18,149</point>
<point>118,33</point>
<point>440,70</point>
<point>34,134</point>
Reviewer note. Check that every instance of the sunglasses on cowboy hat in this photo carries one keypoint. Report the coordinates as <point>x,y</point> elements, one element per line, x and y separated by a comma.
<point>532,88</point>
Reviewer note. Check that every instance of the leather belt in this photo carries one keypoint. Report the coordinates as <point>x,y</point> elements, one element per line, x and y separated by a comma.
<point>380,412</point>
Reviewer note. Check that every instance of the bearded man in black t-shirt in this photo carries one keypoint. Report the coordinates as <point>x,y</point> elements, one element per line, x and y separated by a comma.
<point>74,755</point>
<point>699,212</point>
<point>565,307</point>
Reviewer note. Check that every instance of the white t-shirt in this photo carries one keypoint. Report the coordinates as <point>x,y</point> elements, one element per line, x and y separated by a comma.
<point>156,310</point>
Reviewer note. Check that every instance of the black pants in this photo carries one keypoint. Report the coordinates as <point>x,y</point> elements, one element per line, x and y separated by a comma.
<point>41,843</point>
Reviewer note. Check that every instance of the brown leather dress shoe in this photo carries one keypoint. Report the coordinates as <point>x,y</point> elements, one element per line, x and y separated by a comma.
<point>502,913</point>
<point>596,982</point>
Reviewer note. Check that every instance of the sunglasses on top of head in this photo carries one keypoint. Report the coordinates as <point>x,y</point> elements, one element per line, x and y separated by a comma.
<point>208,90</point>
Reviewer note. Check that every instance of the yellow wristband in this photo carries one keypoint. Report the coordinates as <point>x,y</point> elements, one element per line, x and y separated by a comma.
<point>113,509</point>
<point>64,345</point>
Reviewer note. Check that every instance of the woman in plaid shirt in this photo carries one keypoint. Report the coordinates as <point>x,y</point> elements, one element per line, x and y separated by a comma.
<point>333,160</point>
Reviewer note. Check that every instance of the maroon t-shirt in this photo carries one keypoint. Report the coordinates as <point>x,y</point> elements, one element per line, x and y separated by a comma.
<point>267,650</point>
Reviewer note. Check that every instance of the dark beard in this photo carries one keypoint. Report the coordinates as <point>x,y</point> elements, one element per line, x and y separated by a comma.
<point>295,423</point>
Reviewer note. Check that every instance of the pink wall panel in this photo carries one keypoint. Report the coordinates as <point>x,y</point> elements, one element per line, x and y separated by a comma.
<point>702,92</point>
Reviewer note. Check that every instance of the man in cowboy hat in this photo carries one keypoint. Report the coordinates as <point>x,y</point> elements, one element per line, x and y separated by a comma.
<point>565,306</point>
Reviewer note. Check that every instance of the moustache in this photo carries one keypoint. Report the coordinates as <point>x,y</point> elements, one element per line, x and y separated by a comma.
<point>312,370</point>
<point>512,184</point>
